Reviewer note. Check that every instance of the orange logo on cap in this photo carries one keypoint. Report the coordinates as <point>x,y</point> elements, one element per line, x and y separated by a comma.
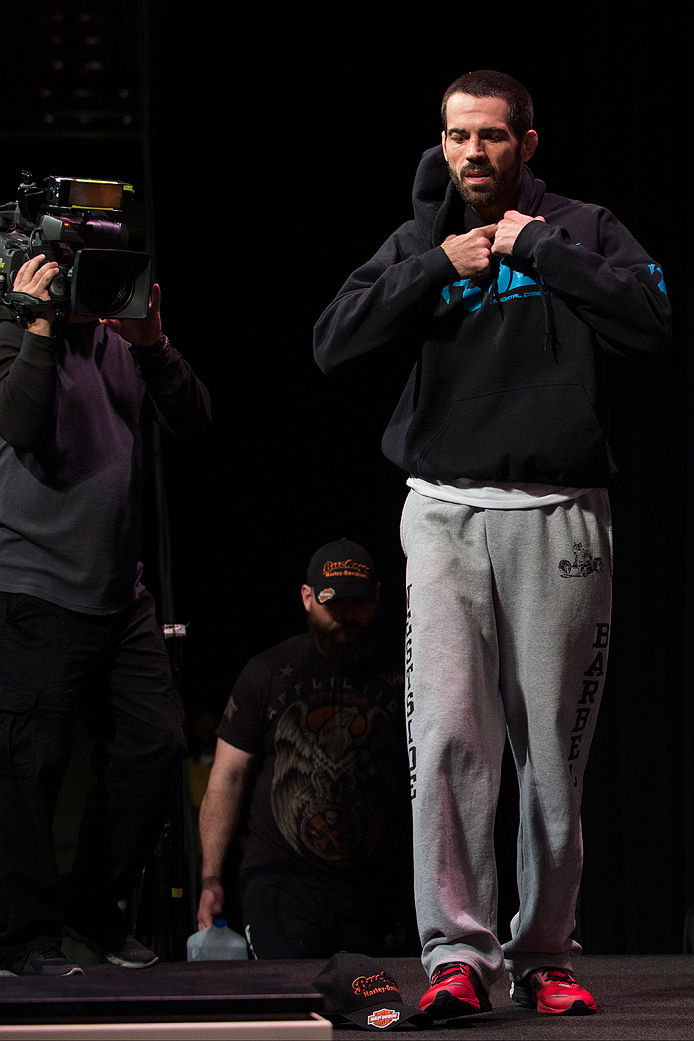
<point>325,594</point>
<point>384,1018</point>
<point>381,983</point>
<point>345,569</point>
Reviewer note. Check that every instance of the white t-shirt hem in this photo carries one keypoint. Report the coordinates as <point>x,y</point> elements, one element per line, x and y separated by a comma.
<point>491,495</point>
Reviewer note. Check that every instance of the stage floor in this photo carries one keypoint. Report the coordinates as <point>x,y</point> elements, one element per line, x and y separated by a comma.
<point>638,999</point>
<point>647,998</point>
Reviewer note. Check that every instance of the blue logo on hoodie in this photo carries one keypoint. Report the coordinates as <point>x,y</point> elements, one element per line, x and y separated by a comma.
<point>508,282</point>
<point>472,294</point>
<point>661,285</point>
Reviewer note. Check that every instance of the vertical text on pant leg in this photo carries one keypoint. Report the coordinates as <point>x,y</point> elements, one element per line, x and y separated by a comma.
<point>591,683</point>
<point>409,699</point>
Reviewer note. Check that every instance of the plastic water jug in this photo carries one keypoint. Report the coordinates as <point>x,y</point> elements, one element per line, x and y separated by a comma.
<point>216,943</point>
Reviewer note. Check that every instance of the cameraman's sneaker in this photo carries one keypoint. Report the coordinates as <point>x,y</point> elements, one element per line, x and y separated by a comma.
<point>553,992</point>
<point>454,991</point>
<point>125,951</point>
<point>47,961</point>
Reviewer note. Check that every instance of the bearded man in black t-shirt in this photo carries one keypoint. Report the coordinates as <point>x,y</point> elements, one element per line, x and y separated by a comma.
<point>316,725</point>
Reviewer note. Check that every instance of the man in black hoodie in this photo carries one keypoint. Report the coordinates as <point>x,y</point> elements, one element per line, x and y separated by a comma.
<point>506,298</point>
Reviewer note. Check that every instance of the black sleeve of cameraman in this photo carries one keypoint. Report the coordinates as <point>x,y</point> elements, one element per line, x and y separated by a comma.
<point>181,400</point>
<point>27,385</point>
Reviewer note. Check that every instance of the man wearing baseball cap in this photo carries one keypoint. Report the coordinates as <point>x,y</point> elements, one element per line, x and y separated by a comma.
<point>315,723</point>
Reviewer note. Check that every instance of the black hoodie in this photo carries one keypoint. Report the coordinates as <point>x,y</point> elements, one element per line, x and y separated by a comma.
<point>506,384</point>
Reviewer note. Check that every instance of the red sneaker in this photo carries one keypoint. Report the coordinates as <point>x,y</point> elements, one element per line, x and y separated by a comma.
<point>553,992</point>
<point>454,991</point>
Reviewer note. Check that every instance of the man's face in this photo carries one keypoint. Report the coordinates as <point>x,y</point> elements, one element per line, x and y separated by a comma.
<point>485,159</point>
<point>343,629</point>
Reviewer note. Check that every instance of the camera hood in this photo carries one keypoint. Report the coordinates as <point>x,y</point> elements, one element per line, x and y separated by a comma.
<point>111,283</point>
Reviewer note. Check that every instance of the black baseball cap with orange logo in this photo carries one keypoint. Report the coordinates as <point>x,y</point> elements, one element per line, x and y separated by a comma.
<point>342,568</point>
<point>356,990</point>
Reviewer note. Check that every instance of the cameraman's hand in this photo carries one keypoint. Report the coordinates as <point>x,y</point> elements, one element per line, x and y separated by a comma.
<point>141,332</point>
<point>33,278</point>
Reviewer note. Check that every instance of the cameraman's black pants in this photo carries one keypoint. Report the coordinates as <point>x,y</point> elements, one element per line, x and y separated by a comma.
<point>113,672</point>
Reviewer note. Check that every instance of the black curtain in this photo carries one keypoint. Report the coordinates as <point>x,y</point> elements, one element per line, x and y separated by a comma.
<point>281,156</point>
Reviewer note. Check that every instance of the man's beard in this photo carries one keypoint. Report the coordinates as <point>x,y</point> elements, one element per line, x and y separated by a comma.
<point>481,198</point>
<point>346,647</point>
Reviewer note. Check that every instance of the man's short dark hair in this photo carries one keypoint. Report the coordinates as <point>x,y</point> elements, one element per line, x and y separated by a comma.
<point>486,83</point>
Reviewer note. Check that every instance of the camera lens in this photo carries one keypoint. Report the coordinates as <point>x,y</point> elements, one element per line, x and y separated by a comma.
<point>108,286</point>
<point>111,283</point>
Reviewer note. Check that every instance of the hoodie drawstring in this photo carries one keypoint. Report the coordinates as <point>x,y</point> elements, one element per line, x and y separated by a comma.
<point>549,338</point>
<point>495,296</point>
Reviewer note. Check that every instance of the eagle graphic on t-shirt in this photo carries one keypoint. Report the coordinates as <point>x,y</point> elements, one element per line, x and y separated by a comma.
<point>334,778</point>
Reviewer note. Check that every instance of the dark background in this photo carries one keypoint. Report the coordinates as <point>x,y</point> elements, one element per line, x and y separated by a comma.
<point>271,160</point>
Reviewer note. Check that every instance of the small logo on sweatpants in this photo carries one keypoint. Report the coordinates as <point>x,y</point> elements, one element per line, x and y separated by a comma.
<point>582,565</point>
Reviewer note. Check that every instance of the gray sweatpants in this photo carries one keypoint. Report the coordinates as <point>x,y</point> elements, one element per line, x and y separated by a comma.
<point>507,633</point>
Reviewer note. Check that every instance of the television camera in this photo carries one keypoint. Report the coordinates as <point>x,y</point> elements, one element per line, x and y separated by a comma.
<point>74,222</point>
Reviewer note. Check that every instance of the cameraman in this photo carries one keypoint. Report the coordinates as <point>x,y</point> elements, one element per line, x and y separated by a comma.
<point>78,632</point>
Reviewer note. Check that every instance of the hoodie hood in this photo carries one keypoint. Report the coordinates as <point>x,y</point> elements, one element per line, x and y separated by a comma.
<point>438,208</point>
